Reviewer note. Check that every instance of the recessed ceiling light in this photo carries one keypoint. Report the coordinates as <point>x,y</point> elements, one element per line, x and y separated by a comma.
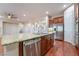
<point>47,12</point>
<point>24,15</point>
<point>64,6</point>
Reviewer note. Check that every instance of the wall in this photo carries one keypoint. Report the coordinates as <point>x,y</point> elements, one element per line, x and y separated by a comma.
<point>1,30</point>
<point>11,50</point>
<point>69,25</point>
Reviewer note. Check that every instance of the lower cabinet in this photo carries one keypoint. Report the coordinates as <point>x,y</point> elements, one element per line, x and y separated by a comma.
<point>51,40</point>
<point>38,46</point>
<point>43,45</point>
<point>46,44</point>
<point>27,50</point>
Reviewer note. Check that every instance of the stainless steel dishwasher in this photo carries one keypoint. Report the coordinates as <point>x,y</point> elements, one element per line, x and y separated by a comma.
<point>32,47</point>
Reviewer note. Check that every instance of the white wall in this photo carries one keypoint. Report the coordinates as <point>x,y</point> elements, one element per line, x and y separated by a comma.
<point>1,30</point>
<point>69,25</point>
<point>11,50</point>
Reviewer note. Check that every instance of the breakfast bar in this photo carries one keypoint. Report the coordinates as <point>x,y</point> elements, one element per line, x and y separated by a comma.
<point>30,44</point>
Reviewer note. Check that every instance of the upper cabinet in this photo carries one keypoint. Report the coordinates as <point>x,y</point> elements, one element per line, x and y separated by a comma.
<point>60,20</point>
<point>51,22</point>
<point>57,20</point>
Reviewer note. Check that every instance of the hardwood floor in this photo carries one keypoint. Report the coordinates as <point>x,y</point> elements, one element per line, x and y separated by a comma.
<point>62,49</point>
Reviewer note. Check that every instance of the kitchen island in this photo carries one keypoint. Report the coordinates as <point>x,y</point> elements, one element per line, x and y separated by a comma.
<point>39,43</point>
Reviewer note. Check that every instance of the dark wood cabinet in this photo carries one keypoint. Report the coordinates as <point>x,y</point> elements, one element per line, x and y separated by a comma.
<point>33,49</point>
<point>46,44</point>
<point>36,47</point>
<point>43,45</point>
<point>50,21</point>
<point>61,20</point>
<point>28,50</point>
<point>20,49</point>
<point>56,20</point>
<point>51,40</point>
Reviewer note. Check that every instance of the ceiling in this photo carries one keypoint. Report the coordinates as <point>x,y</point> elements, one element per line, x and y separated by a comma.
<point>33,11</point>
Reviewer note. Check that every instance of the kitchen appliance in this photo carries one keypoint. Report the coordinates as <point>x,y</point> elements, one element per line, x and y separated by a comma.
<point>9,16</point>
<point>77,33</point>
<point>59,34</point>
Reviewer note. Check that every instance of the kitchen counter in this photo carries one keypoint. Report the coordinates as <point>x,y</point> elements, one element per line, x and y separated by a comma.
<point>10,39</point>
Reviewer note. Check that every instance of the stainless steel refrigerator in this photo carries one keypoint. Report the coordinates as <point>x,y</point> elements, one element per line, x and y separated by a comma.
<point>77,33</point>
<point>59,33</point>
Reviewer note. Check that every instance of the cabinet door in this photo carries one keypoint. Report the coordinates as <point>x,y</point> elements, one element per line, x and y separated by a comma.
<point>20,48</point>
<point>55,20</point>
<point>60,20</point>
<point>52,40</point>
<point>33,49</point>
<point>50,21</point>
<point>48,42</point>
<point>43,45</point>
<point>28,50</point>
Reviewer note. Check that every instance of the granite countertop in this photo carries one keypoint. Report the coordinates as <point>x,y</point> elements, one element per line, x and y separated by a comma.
<point>10,39</point>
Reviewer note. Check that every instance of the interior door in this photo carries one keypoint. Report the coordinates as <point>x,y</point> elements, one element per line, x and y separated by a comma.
<point>10,28</point>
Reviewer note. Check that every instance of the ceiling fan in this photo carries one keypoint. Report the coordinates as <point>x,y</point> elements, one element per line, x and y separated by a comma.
<point>10,16</point>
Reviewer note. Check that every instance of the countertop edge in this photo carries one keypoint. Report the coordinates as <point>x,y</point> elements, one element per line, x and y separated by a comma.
<point>17,41</point>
